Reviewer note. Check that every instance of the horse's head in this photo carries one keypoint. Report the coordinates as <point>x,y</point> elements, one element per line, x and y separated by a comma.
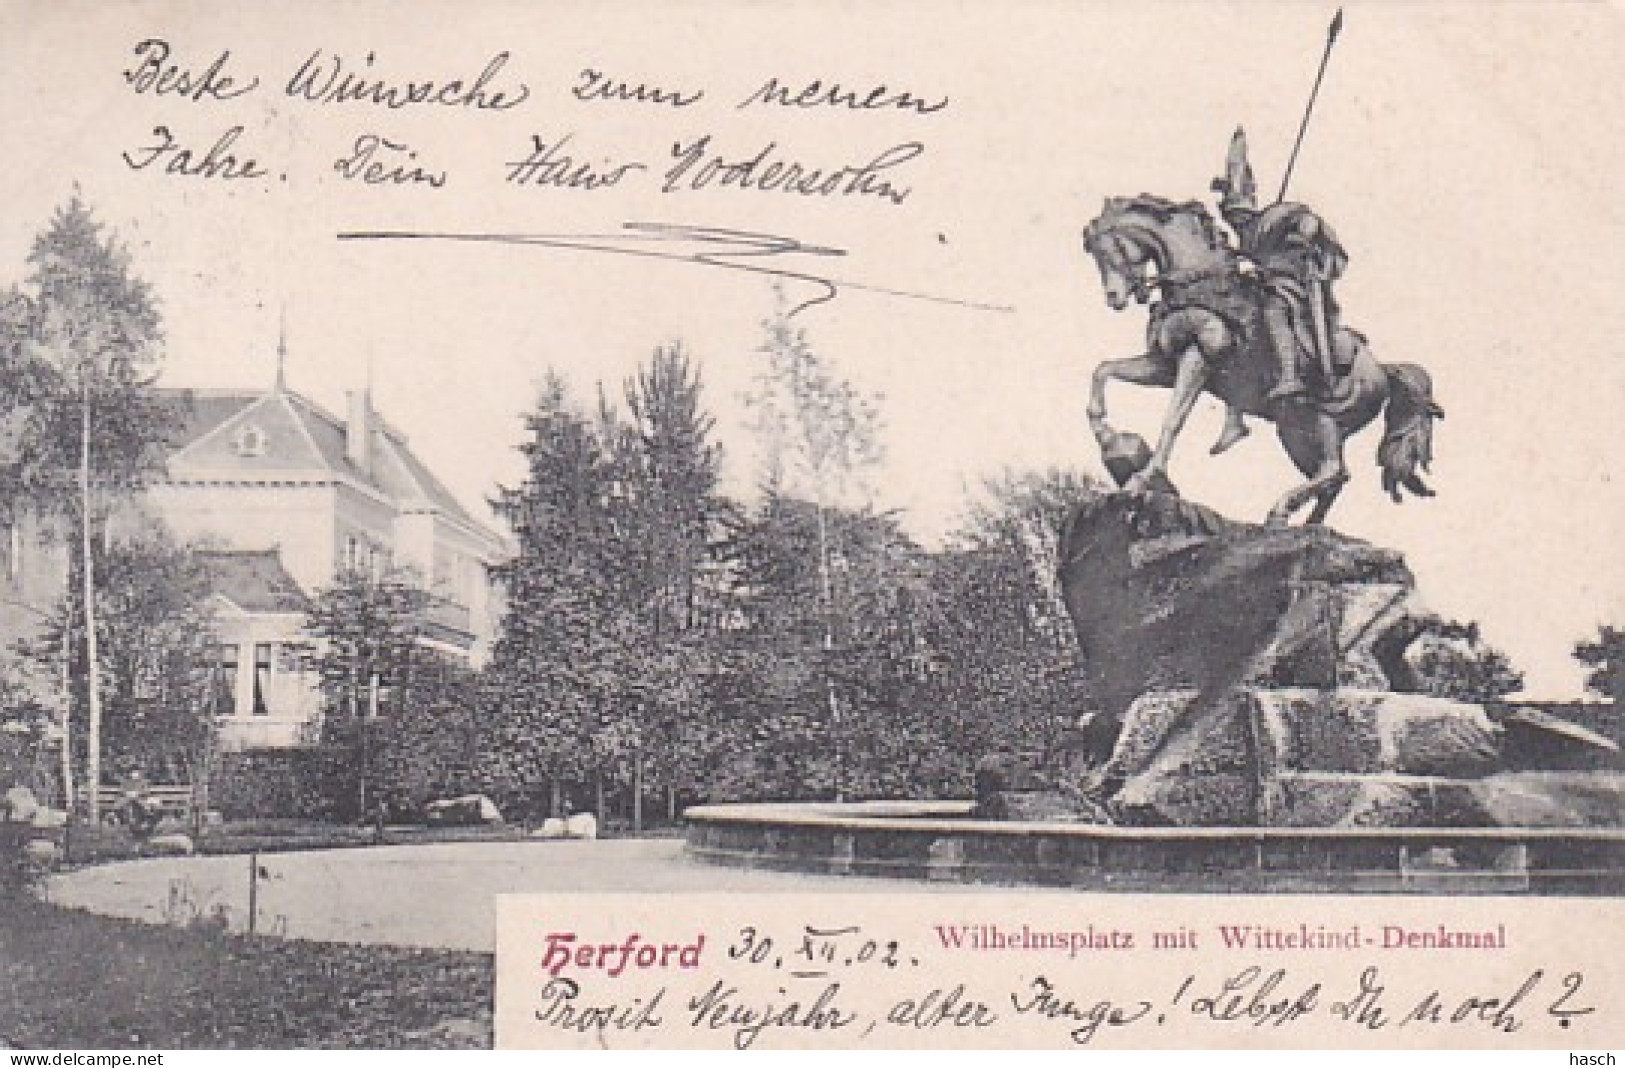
<point>1132,234</point>
<point>1124,258</point>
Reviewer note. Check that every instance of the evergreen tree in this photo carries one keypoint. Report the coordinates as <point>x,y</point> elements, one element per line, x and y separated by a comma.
<point>671,467</point>
<point>596,678</point>
<point>675,466</point>
<point>559,665</point>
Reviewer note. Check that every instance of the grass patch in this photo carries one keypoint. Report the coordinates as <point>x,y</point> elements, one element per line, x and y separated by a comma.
<point>70,979</point>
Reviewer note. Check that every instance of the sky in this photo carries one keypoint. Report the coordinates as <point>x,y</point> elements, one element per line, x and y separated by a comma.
<point>1467,155</point>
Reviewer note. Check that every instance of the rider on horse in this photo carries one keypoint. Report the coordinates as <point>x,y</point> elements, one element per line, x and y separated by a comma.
<point>1295,257</point>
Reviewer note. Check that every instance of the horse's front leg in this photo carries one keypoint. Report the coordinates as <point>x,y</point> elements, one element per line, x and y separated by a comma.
<point>1146,370</point>
<point>1190,376</point>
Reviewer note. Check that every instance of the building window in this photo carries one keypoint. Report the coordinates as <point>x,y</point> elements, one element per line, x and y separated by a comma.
<point>249,441</point>
<point>454,576</point>
<point>262,678</point>
<point>225,681</point>
<point>364,556</point>
<point>294,658</point>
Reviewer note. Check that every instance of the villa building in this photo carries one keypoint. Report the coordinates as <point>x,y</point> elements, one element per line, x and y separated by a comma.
<point>285,496</point>
<point>281,497</point>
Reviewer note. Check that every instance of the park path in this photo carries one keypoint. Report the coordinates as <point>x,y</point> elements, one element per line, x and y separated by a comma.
<point>433,896</point>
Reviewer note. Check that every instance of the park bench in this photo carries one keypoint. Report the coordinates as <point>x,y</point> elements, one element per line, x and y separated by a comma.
<point>173,800</point>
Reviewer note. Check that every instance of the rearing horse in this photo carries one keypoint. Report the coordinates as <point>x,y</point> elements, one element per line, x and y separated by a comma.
<point>1206,334</point>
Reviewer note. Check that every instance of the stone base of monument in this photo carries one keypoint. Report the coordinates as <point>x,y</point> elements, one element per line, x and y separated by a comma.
<point>1259,676</point>
<point>1257,728</point>
<point>1350,758</point>
<point>941,842</point>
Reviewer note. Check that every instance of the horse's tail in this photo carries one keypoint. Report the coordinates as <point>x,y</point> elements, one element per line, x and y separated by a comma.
<point>1406,448</point>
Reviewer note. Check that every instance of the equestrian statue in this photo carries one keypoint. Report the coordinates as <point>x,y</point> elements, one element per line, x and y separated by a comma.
<point>1253,321</point>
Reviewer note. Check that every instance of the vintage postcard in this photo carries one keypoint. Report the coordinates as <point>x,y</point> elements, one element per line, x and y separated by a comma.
<point>813,525</point>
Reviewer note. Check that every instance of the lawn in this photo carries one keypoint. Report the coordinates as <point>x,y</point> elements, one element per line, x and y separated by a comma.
<point>70,979</point>
<point>76,979</point>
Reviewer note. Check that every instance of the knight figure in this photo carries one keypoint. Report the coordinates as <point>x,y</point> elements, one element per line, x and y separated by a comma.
<point>1244,312</point>
<point>1295,258</point>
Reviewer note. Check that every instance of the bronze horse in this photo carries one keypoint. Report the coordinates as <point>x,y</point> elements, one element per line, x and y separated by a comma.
<point>1205,335</point>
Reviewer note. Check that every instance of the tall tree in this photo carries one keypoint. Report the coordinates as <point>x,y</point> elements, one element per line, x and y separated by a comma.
<point>670,466</point>
<point>819,438</point>
<point>674,466</point>
<point>560,658</point>
<point>1605,656</point>
<point>789,655</point>
<point>79,349</point>
<point>369,626</point>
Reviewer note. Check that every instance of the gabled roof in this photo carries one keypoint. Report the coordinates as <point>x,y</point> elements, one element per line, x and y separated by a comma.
<point>429,488</point>
<point>213,425</point>
<point>300,437</point>
<point>254,580</point>
<point>203,410</point>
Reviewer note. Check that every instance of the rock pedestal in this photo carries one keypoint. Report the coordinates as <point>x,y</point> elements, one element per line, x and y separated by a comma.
<point>1298,757</point>
<point>1258,678</point>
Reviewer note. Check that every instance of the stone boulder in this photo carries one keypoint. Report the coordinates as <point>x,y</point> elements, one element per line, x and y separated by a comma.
<point>1551,798</point>
<point>169,845</point>
<point>581,825</point>
<point>1538,740</point>
<point>1257,676</point>
<point>470,810</point>
<point>41,854</point>
<point>49,819</point>
<point>1182,762</point>
<point>1010,786</point>
<point>1351,758</point>
<point>1168,595</point>
<point>18,805</point>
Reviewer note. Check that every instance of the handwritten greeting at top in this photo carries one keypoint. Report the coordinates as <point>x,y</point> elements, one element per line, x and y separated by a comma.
<point>693,159</point>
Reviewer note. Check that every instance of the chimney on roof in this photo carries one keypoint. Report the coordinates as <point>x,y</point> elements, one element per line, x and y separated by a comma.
<point>358,430</point>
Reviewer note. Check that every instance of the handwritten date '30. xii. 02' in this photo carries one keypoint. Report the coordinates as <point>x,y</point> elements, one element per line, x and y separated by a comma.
<point>694,160</point>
